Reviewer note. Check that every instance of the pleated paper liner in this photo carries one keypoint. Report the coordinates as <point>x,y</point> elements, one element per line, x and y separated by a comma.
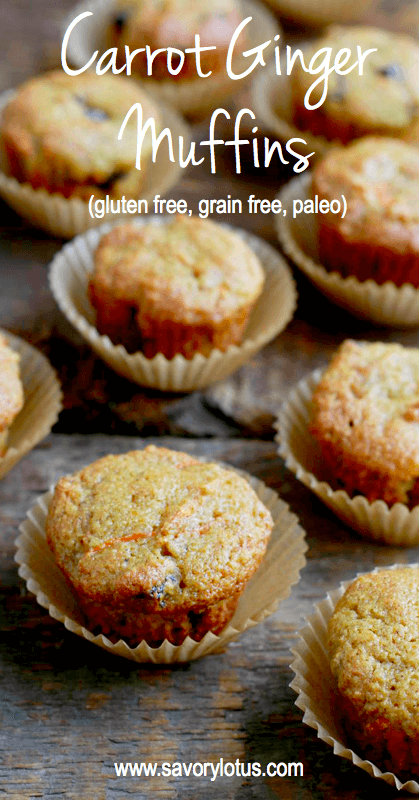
<point>321,12</point>
<point>69,278</point>
<point>315,686</point>
<point>196,97</point>
<point>42,403</point>
<point>384,304</point>
<point>66,217</point>
<point>397,526</point>
<point>271,101</point>
<point>271,584</point>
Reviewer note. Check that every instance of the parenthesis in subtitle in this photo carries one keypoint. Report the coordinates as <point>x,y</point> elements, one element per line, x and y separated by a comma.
<point>345,206</point>
<point>90,206</point>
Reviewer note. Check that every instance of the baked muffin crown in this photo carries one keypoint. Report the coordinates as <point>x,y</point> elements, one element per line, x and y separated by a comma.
<point>195,267</point>
<point>380,180</point>
<point>11,390</point>
<point>374,651</point>
<point>365,418</point>
<point>174,24</point>
<point>184,287</point>
<point>61,131</point>
<point>384,99</point>
<point>160,526</point>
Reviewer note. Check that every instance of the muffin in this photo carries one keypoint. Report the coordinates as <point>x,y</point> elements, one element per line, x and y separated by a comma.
<point>374,655</point>
<point>384,99</point>
<point>184,287</point>
<point>378,236</point>
<point>174,24</point>
<point>365,415</point>
<point>11,390</point>
<point>60,132</point>
<point>157,545</point>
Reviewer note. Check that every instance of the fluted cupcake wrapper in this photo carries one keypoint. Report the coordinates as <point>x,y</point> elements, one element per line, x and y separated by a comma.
<point>66,217</point>
<point>42,403</point>
<point>195,97</point>
<point>397,526</point>
<point>271,584</point>
<point>383,304</point>
<point>316,689</point>
<point>69,278</point>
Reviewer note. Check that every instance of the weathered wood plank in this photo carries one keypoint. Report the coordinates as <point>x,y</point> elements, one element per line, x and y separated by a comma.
<point>70,710</point>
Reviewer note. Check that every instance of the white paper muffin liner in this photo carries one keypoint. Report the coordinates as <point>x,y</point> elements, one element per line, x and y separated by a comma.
<point>278,572</point>
<point>397,526</point>
<point>322,12</point>
<point>196,97</point>
<point>69,277</point>
<point>384,304</point>
<point>315,686</point>
<point>42,403</point>
<point>66,217</point>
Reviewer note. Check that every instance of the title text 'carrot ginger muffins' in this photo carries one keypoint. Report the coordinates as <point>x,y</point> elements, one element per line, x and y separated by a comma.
<point>383,99</point>
<point>60,133</point>
<point>374,651</point>
<point>172,25</point>
<point>185,287</point>
<point>378,237</point>
<point>157,545</point>
<point>365,413</point>
<point>11,390</point>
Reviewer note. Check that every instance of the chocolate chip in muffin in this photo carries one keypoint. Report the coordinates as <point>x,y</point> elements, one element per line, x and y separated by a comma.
<point>121,20</point>
<point>106,186</point>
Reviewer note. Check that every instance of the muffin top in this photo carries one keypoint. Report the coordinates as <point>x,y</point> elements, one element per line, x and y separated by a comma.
<point>379,178</point>
<point>385,98</point>
<point>374,647</point>
<point>62,130</point>
<point>160,524</point>
<point>366,411</point>
<point>191,269</point>
<point>174,23</point>
<point>11,390</point>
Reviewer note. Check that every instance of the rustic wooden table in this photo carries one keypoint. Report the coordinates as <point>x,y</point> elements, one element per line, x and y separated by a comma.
<point>69,710</point>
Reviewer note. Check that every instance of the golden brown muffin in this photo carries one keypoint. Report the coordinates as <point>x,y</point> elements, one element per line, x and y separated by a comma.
<point>60,133</point>
<point>365,417</point>
<point>384,99</point>
<point>174,24</point>
<point>11,390</point>
<point>378,237</point>
<point>374,652</point>
<point>156,544</point>
<point>185,287</point>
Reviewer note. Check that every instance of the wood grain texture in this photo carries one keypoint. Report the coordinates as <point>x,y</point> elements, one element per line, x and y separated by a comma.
<point>70,710</point>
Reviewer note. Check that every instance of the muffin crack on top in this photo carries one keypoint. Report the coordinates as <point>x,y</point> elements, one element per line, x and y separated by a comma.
<point>152,541</point>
